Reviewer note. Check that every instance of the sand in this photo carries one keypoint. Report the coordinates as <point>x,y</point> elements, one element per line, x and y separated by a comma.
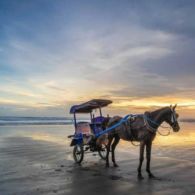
<point>38,160</point>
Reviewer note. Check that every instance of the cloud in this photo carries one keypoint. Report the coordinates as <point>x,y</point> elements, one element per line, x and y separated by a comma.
<point>175,17</point>
<point>66,53</point>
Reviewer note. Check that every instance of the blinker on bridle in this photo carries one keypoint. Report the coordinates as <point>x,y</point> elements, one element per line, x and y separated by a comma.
<point>173,117</point>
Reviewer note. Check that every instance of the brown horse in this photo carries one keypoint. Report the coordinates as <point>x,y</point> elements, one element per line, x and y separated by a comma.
<point>140,128</point>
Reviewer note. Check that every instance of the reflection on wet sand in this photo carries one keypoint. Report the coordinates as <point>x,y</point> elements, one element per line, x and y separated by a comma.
<point>185,137</point>
<point>47,137</point>
<point>38,160</point>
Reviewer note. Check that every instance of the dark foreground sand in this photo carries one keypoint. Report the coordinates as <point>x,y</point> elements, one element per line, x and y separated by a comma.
<point>30,166</point>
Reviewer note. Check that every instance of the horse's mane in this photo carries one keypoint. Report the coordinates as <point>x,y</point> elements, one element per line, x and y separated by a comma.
<point>158,111</point>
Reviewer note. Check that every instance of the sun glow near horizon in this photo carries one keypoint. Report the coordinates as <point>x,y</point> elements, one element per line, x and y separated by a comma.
<point>121,104</point>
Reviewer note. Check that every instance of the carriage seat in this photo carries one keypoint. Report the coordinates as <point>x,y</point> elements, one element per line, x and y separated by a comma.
<point>96,124</point>
<point>98,119</point>
<point>84,128</point>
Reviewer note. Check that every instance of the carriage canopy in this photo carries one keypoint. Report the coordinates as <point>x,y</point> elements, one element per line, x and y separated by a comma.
<point>87,107</point>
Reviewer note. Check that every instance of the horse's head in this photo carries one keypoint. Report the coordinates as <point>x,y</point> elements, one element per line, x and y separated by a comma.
<point>171,118</point>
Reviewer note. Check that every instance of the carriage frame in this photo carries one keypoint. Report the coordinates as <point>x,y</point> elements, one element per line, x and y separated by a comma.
<point>86,133</point>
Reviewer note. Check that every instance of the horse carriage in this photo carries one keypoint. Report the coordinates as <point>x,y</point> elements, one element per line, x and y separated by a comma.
<point>138,127</point>
<point>87,133</point>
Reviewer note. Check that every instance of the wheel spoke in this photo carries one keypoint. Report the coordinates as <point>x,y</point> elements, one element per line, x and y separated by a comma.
<point>78,153</point>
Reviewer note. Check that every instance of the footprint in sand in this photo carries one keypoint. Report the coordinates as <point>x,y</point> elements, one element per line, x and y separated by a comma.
<point>114,177</point>
<point>58,170</point>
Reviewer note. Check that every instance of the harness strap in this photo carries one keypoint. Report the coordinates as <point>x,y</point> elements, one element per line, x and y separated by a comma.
<point>152,129</point>
<point>148,126</point>
<point>114,126</point>
<point>129,134</point>
<point>125,120</point>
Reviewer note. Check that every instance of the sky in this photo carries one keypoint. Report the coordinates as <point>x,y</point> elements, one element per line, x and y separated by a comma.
<point>54,54</point>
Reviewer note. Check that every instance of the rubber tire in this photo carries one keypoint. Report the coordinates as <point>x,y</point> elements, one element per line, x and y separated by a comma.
<point>101,153</point>
<point>75,155</point>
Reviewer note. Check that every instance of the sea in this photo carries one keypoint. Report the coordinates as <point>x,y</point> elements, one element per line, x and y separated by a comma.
<point>12,120</point>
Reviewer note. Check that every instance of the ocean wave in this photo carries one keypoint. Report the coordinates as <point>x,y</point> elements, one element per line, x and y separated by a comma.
<point>36,121</point>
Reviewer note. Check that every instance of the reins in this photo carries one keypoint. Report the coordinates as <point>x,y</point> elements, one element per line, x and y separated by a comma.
<point>169,132</point>
<point>146,119</point>
<point>164,127</point>
<point>134,144</point>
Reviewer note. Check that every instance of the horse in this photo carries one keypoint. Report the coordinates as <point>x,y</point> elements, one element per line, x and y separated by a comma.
<point>141,128</point>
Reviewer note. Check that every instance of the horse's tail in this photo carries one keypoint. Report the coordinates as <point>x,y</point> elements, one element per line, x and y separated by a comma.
<point>113,121</point>
<point>105,122</point>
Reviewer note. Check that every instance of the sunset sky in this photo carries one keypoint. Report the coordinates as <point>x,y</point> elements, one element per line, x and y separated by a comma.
<point>53,54</point>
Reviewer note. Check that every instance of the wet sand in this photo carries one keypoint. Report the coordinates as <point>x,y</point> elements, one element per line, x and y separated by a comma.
<point>41,163</point>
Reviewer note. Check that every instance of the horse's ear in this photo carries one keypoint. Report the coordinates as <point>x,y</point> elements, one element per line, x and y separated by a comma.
<point>171,106</point>
<point>174,106</point>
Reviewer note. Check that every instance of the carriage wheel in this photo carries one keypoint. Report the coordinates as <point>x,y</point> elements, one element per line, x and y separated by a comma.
<point>102,152</point>
<point>78,153</point>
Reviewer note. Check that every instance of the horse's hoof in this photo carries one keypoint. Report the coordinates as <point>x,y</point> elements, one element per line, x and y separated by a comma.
<point>151,176</point>
<point>115,165</point>
<point>107,166</point>
<point>140,177</point>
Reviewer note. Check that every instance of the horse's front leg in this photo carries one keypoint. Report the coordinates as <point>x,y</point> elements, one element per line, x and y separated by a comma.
<point>141,159</point>
<point>148,157</point>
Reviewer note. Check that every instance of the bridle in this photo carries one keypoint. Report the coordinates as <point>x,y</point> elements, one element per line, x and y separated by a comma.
<point>173,118</point>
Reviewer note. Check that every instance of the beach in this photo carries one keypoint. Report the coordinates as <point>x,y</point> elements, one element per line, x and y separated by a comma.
<point>37,159</point>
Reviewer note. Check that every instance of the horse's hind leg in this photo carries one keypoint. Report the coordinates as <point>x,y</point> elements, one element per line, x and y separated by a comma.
<point>110,138</point>
<point>141,159</point>
<point>116,141</point>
